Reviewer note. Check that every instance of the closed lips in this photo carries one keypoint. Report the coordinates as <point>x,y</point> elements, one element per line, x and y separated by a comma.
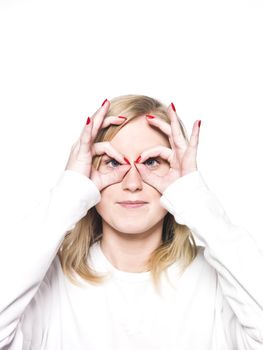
<point>132,202</point>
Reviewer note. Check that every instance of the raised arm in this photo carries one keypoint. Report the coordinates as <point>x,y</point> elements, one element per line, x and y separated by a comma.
<point>28,247</point>
<point>229,249</point>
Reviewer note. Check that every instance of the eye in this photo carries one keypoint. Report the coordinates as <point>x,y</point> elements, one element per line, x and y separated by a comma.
<point>152,162</point>
<point>113,162</point>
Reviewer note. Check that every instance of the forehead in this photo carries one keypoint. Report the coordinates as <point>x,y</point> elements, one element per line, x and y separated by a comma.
<point>138,135</point>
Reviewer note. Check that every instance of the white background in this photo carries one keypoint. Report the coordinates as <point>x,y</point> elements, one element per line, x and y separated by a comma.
<point>60,59</point>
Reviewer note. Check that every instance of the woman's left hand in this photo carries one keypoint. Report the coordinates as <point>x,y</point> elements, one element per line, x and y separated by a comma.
<point>181,156</point>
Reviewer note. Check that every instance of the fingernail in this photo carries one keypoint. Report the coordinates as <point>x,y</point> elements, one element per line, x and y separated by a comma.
<point>199,123</point>
<point>150,116</point>
<point>173,107</point>
<point>120,116</point>
<point>88,121</point>
<point>138,159</point>
<point>126,160</point>
<point>103,103</point>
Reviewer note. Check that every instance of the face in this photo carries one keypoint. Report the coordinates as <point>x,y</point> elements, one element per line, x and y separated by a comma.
<point>132,139</point>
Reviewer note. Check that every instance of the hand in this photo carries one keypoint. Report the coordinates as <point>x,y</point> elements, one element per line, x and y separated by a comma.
<point>83,150</point>
<point>181,155</point>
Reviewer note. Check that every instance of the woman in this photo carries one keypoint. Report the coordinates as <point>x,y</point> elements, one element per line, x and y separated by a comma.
<point>108,259</point>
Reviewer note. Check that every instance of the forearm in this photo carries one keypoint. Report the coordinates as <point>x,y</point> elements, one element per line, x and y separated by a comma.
<point>230,249</point>
<point>29,247</point>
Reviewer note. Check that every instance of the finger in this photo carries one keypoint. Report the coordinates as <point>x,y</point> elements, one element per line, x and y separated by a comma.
<point>194,139</point>
<point>114,176</point>
<point>75,146</point>
<point>177,135</point>
<point>85,137</point>
<point>100,148</point>
<point>191,152</point>
<point>98,118</point>
<point>159,123</point>
<point>162,151</point>
<point>84,134</point>
<point>113,120</point>
<point>149,177</point>
<point>163,126</point>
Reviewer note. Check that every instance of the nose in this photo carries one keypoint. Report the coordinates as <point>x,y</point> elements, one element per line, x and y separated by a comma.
<point>132,181</point>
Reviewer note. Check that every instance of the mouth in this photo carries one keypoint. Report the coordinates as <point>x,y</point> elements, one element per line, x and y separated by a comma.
<point>132,204</point>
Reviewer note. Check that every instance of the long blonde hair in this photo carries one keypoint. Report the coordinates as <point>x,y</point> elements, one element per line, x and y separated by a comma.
<point>178,243</point>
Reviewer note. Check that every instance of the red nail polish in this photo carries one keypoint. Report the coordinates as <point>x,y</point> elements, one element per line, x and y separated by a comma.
<point>150,116</point>
<point>120,116</point>
<point>127,161</point>
<point>199,123</point>
<point>173,107</point>
<point>88,121</point>
<point>103,103</point>
<point>138,159</point>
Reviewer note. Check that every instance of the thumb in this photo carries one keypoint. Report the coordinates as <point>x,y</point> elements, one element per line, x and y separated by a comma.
<point>148,177</point>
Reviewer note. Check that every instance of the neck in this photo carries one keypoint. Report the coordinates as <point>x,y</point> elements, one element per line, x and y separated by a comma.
<point>130,252</point>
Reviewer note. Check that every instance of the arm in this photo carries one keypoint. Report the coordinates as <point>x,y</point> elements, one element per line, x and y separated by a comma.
<point>230,250</point>
<point>28,248</point>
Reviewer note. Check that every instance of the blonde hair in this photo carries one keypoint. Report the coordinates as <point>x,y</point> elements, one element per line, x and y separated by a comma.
<point>178,243</point>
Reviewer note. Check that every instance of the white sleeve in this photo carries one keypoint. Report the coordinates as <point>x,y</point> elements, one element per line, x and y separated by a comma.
<point>230,250</point>
<point>28,247</point>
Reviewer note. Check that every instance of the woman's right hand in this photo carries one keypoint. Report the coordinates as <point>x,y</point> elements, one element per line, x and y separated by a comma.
<point>83,150</point>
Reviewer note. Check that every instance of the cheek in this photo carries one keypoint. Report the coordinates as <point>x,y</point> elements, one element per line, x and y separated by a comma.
<point>105,168</point>
<point>107,207</point>
<point>104,203</point>
<point>157,211</point>
<point>162,169</point>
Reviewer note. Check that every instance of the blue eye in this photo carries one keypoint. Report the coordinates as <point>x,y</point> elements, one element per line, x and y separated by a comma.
<point>150,161</point>
<point>112,161</point>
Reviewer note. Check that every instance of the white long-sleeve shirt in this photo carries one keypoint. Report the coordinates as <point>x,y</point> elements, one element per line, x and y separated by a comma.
<point>216,304</point>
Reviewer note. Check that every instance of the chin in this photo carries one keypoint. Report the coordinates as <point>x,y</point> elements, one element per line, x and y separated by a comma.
<point>131,228</point>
